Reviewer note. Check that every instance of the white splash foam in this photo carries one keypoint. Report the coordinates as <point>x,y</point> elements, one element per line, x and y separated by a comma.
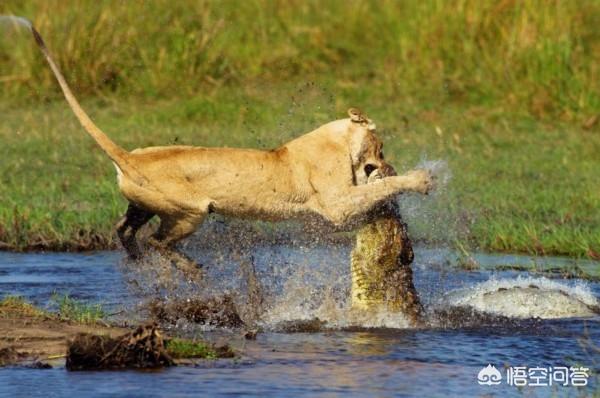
<point>337,317</point>
<point>526,297</point>
<point>440,170</point>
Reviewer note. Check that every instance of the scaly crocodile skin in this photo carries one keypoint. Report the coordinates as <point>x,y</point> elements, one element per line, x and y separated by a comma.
<point>380,264</point>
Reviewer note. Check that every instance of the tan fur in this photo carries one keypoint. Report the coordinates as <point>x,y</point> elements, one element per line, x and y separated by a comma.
<point>320,175</point>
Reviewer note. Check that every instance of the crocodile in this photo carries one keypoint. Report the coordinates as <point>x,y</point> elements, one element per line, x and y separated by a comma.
<point>381,260</point>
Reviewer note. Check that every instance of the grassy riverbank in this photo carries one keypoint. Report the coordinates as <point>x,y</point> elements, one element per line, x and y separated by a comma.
<point>506,93</point>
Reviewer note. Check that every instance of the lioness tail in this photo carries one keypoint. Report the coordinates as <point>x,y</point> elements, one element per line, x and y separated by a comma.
<point>115,152</point>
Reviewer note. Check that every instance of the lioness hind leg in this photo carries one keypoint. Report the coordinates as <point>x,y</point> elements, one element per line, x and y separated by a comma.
<point>127,228</point>
<point>171,231</point>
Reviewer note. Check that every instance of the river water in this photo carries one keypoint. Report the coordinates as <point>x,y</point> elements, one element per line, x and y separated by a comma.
<point>347,359</point>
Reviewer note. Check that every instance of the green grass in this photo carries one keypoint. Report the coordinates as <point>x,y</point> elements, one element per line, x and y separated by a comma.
<point>498,90</point>
<point>74,310</point>
<point>523,55</point>
<point>15,306</point>
<point>69,309</point>
<point>183,348</point>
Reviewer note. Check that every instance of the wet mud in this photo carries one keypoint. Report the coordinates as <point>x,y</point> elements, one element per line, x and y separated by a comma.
<point>142,348</point>
<point>26,339</point>
<point>214,311</point>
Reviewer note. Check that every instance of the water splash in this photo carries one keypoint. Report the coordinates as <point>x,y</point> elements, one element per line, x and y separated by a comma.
<point>440,170</point>
<point>436,218</point>
<point>297,281</point>
<point>301,283</point>
<point>527,297</point>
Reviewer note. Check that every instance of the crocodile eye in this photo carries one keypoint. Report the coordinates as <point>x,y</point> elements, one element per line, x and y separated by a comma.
<point>369,169</point>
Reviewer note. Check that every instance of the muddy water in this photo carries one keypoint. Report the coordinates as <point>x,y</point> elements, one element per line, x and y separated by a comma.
<point>301,283</point>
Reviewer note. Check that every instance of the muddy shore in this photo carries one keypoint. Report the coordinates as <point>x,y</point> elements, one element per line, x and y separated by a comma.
<point>29,338</point>
<point>34,338</point>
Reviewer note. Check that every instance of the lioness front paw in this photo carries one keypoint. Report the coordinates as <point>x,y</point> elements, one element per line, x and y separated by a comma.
<point>423,181</point>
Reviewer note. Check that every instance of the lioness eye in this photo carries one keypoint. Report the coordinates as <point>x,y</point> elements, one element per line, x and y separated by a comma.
<point>380,154</point>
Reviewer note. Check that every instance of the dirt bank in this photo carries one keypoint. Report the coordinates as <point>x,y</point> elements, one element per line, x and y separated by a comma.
<point>34,337</point>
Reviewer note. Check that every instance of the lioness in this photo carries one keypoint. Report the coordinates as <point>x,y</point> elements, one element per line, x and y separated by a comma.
<point>321,174</point>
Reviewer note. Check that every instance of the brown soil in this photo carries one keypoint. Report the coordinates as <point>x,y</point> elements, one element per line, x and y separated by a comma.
<point>39,338</point>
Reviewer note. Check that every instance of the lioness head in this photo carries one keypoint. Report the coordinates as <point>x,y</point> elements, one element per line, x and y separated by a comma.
<point>366,149</point>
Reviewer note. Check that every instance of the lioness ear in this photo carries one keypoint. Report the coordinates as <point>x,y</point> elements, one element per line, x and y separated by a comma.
<point>356,116</point>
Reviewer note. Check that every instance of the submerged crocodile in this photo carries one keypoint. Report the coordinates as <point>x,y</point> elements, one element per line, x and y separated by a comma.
<point>380,264</point>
